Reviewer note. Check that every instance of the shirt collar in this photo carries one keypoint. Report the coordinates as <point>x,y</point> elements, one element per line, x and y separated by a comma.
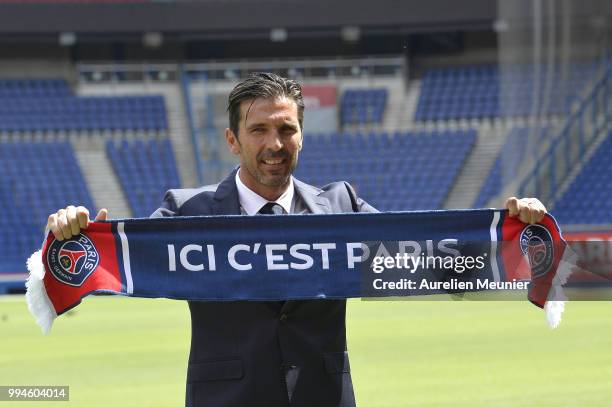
<point>252,202</point>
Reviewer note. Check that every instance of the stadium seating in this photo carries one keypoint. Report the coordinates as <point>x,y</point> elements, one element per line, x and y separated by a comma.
<point>37,179</point>
<point>49,106</point>
<point>363,106</point>
<point>402,171</point>
<point>146,169</point>
<point>478,92</point>
<point>33,88</point>
<point>588,200</point>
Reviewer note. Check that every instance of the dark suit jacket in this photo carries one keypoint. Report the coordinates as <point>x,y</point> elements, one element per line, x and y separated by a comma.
<point>268,354</point>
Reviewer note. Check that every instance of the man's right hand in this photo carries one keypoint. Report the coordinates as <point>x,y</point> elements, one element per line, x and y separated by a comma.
<point>68,222</point>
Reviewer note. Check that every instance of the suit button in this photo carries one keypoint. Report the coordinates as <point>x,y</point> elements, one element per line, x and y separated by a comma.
<point>283,318</point>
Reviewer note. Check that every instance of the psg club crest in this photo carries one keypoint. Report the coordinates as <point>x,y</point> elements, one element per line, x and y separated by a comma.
<point>72,261</point>
<point>537,244</point>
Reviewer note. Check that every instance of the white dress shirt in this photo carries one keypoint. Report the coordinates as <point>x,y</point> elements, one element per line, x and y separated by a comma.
<point>251,202</point>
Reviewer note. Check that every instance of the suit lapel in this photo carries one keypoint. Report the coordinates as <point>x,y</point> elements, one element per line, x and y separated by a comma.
<point>226,200</point>
<point>310,195</point>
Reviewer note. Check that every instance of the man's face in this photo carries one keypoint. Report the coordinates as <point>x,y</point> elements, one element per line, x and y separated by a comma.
<point>269,140</point>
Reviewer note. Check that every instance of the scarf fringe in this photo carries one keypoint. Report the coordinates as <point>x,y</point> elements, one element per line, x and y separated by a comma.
<point>555,306</point>
<point>36,295</point>
<point>554,310</point>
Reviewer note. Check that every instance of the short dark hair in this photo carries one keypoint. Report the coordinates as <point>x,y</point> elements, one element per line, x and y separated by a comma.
<point>263,85</point>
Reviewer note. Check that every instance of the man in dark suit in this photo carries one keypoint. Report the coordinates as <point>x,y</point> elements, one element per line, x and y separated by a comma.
<point>266,353</point>
<point>252,353</point>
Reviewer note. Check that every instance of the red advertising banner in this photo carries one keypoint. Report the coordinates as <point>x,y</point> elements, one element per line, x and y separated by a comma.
<point>321,114</point>
<point>594,251</point>
<point>319,96</point>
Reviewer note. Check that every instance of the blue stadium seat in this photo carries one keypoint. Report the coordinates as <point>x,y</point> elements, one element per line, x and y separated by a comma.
<point>400,171</point>
<point>363,106</point>
<point>33,185</point>
<point>145,169</point>
<point>49,105</point>
<point>473,92</point>
<point>588,199</point>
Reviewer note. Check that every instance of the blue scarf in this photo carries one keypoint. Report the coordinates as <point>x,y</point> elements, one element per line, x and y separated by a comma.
<point>298,257</point>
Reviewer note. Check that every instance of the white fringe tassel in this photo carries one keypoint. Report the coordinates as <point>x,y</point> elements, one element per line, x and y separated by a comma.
<point>36,296</point>
<point>556,305</point>
<point>554,310</point>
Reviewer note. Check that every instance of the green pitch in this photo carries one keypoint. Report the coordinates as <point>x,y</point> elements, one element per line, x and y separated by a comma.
<point>133,352</point>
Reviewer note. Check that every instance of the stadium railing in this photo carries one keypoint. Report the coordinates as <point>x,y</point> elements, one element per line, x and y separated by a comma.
<point>582,128</point>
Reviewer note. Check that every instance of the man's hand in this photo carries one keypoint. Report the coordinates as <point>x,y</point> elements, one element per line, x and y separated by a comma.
<point>528,210</point>
<point>68,222</point>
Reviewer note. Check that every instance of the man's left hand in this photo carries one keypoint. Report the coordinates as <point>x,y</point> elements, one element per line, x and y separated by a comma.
<point>528,210</point>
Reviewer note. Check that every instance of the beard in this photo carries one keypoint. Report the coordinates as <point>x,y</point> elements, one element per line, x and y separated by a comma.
<point>275,178</point>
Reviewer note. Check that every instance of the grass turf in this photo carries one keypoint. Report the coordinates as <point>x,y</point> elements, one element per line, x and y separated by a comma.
<point>133,352</point>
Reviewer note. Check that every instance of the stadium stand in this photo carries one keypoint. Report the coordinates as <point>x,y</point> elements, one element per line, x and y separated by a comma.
<point>588,200</point>
<point>37,178</point>
<point>146,169</point>
<point>363,106</point>
<point>49,106</point>
<point>473,92</point>
<point>10,88</point>
<point>401,171</point>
